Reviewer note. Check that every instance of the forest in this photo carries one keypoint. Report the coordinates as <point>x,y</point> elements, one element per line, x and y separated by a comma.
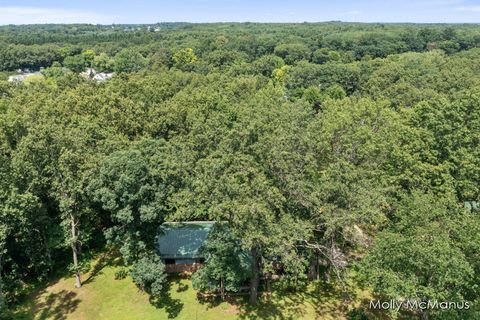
<point>341,153</point>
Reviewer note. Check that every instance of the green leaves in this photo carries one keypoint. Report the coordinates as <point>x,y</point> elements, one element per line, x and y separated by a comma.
<point>426,257</point>
<point>148,273</point>
<point>314,163</point>
<point>226,266</point>
<point>184,57</point>
<point>133,186</point>
<point>129,60</point>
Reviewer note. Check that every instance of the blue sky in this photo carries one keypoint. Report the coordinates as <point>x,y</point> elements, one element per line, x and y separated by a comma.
<point>150,11</point>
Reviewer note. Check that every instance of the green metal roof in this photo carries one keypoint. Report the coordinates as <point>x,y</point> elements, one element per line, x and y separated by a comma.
<point>182,239</point>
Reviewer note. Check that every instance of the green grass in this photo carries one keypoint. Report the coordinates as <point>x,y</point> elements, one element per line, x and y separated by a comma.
<point>103,297</point>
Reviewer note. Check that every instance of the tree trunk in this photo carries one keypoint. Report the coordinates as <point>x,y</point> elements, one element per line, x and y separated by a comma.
<point>313,269</point>
<point>78,282</point>
<point>318,269</point>
<point>1,297</point>
<point>255,276</point>
<point>268,279</point>
<point>222,288</point>
<point>1,285</point>
<point>425,315</point>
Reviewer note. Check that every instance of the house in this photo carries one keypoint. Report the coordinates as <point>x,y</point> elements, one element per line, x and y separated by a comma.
<point>18,78</point>
<point>102,76</point>
<point>89,73</point>
<point>179,244</point>
<point>92,74</point>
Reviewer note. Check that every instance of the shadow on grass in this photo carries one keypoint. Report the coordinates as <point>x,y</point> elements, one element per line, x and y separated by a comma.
<point>56,306</point>
<point>330,300</point>
<point>172,306</point>
<point>106,259</point>
<point>279,306</point>
<point>212,302</point>
<point>324,300</point>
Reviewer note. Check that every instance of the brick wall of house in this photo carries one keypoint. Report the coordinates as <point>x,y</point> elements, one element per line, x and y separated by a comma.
<point>180,268</point>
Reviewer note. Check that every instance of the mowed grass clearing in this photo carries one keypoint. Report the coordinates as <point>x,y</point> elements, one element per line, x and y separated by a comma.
<point>103,297</point>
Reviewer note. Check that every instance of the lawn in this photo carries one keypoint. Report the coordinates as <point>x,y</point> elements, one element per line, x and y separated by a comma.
<point>103,297</point>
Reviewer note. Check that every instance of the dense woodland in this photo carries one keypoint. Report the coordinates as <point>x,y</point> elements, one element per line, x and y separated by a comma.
<point>340,152</point>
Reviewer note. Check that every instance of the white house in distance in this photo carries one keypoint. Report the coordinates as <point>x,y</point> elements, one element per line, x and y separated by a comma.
<point>92,74</point>
<point>18,78</point>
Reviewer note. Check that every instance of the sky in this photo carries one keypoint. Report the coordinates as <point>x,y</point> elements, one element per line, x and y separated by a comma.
<point>152,11</point>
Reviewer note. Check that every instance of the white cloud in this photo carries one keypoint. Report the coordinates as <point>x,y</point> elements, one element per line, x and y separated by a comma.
<point>352,13</point>
<point>34,15</point>
<point>468,9</point>
<point>433,3</point>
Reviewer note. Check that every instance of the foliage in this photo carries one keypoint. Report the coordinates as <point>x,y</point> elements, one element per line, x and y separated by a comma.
<point>121,274</point>
<point>430,244</point>
<point>184,57</point>
<point>129,60</point>
<point>149,274</point>
<point>292,53</point>
<point>131,187</point>
<point>75,63</point>
<point>319,144</point>
<point>226,267</point>
<point>103,63</point>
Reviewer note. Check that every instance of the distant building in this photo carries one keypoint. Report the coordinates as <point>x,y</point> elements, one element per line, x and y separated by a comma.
<point>92,74</point>
<point>179,244</point>
<point>18,78</point>
<point>89,73</point>
<point>102,76</point>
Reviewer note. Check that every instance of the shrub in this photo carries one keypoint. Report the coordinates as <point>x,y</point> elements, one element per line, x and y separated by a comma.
<point>121,274</point>
<point>148,273</point>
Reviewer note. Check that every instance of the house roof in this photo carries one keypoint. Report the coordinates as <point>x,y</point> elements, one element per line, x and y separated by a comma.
<point>22,77</point>
<point>182,239</point>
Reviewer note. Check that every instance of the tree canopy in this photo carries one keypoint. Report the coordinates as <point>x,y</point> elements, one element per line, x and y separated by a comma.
<point>323,149</point>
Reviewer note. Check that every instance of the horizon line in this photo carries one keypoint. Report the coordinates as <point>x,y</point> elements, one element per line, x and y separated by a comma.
<point>234,22</point>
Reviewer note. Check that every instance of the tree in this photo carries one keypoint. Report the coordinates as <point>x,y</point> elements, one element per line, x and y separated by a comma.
<point>349,141</point>
<point>223,58</point>
<point>280,74</point>
<point>89,56</point>
<point>3,239</point>
<point>226,265</point>
<point>129,60</point>
<point>292,53</point>
<point>56,71</point>
<point>266,64</point>
<point>148,273</point>
<point>103,63</point>
<point>321,56</point>
<point>239,182</point>
<point>184,58</point>
<point>429,245</point>
<point>75,63</point>
<point>132,186</point>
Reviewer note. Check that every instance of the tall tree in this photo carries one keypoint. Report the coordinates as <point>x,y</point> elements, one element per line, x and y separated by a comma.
<point>133,186</point>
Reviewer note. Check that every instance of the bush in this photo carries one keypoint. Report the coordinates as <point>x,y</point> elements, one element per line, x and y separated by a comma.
<point>357,314</point>
<point>121,274</point>
<point>148,273</point>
